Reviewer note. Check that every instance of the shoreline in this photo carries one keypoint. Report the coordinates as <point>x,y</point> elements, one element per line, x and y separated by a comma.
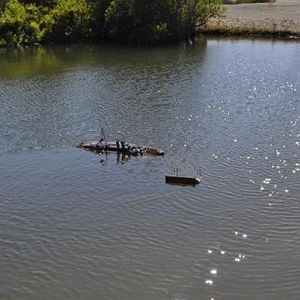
<point>276,19</point>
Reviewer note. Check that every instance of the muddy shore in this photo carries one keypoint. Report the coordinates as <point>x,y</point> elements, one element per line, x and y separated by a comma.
<point>280,18</point>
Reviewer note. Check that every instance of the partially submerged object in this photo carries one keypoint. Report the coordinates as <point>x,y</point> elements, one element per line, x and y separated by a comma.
<point>120,147</point>
<point>183,180</point>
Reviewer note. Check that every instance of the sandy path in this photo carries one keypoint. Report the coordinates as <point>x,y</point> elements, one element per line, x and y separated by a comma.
<point>276,18</point>
<point>276,10</point>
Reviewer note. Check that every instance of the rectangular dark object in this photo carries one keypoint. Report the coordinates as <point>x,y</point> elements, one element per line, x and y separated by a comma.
<point>182,180</point>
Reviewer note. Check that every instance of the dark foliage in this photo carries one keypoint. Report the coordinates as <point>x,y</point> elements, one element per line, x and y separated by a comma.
<point>136,21</point>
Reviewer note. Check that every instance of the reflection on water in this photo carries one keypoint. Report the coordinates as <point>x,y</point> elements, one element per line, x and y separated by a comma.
<point>79,225</point>
<point>29,61</point>
<point>121,158</point>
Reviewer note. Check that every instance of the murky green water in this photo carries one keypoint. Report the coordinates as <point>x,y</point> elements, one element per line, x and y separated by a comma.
<point>75,225</point>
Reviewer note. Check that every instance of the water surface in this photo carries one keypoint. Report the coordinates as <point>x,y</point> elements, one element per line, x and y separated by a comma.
<point>76,225</point>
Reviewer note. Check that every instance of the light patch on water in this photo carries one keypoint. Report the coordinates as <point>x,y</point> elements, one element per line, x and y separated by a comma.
<point>215,156</point>
<point>213,272</point>
<point>209,282</point>
<point>239,257</point>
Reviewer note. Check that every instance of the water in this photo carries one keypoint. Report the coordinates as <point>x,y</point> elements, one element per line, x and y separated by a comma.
<point>75,225</point>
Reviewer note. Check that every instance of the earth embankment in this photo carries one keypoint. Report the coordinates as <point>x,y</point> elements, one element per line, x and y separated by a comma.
<point>275,18</point>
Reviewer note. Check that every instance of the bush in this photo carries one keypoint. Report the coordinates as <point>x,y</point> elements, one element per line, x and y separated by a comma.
<point>29,22</point>
<point>148,21</point>
<point>69,20</point>
<point>19,24</point>
<point>137,21</point>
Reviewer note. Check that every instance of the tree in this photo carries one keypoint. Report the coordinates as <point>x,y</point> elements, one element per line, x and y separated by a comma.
<point>15,24</point>
<point>69,20</point>
<point>136,21</point>
<point>147,21</point>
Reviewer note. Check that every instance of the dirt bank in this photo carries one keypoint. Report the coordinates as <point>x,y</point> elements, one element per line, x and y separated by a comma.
<point>276,18</point>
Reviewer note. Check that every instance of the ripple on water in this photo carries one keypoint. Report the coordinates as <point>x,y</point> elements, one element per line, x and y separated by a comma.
<point>71,219</point>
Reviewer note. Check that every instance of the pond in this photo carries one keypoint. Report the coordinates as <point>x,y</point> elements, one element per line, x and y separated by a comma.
<point>80,225</point>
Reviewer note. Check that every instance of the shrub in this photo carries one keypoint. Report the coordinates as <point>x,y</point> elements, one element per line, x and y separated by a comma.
<point>138,21</point>
<point>69,20</point>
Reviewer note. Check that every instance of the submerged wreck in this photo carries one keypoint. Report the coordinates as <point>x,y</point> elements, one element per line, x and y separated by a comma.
<point>120,147</point>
